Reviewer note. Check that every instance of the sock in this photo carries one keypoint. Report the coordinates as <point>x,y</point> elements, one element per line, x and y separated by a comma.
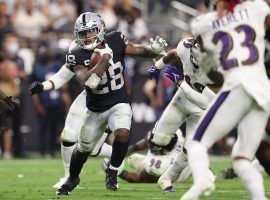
<point>198,161</point>
<point>66,152</point>
<point>177,167</point>
<point>77,161</point>
<point>106,150</point>
<point>119,151</point>
<point>266,166</point>
<point>251,177</point>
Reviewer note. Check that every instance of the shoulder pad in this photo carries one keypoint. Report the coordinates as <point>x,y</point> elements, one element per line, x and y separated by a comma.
<point>183,48</point>
<point>72,45</point>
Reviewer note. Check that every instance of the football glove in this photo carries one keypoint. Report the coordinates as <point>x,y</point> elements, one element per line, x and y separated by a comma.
<point>106,50</point>
<point>12,105</point>
<point>172,73</point>
<point>36,87</point>
<point>158,45</point>
<point>153,73</point>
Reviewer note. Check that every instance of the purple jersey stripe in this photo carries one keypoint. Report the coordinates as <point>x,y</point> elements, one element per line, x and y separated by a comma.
<point>209,116</point>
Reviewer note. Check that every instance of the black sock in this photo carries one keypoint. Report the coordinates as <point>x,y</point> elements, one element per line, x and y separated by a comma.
<point>119,151</point>
<point>76,163</point>
<point>266,166</point>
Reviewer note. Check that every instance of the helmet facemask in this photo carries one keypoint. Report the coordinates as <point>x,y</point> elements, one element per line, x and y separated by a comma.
<point>89,33</point>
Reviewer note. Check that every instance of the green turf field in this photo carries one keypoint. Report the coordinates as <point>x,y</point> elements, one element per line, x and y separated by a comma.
<point>33,179</point>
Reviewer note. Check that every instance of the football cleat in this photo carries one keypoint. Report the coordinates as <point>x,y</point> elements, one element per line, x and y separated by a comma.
<point>169,189</point>
<point>60,182</point>
<point>202,188</point>
<point>228,173</point>
<point>68,186</point>
<point>111,179</point>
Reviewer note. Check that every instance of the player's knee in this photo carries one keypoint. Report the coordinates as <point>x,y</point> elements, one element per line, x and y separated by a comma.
<point>121,135</point>
<point>69,136</point>
<point>84,147</point>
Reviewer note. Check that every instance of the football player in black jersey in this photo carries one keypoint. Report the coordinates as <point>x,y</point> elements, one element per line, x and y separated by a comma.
<point>107,98</point>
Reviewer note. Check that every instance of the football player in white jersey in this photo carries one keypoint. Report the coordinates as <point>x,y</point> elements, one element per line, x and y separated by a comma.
<point>232,41</point>
<point>190,100</point>
<point>151,166</point>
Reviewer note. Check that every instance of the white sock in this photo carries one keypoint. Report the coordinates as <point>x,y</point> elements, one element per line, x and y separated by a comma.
<point>66,153</point>
<point>177,167</point>
<point>251,177</point>
<point>106,150</point>
<point>113,168</point>
<point>198,161</point>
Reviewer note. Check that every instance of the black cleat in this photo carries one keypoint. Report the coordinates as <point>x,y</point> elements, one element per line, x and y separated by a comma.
<point>68,186</point>
<point>111,179</point>
<point>228,173</point>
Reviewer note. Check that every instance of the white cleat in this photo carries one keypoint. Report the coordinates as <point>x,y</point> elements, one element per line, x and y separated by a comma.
<point>203,188</point>
<point>60,182</point>
<point>164,181</point>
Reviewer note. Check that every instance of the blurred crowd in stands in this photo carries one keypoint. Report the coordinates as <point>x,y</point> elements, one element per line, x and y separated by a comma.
<point>34,37</point>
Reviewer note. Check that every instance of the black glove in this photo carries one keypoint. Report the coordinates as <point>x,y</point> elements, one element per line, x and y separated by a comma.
<point>12,105</point>
<point>36,87</point>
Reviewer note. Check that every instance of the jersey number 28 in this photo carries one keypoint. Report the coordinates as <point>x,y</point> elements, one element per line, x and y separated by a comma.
<point>111,80</point>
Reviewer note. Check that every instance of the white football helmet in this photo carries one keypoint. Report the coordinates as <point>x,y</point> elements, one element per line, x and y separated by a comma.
<point>89,30</point>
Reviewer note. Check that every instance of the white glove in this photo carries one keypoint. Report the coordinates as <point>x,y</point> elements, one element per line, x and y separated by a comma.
<point>158,45</point>
<point>92,81</point>
<point>106,50</point>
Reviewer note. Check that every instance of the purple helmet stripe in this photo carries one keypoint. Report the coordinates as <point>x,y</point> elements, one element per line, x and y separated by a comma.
<point>209,116</point>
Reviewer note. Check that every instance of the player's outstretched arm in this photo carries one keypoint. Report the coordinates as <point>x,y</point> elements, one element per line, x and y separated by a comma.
<point>55,82</point>
<point>197,98</point>
<point>154,70</point>
<point>138,146</point>
<point>155,48</point>
<point>141,177</point>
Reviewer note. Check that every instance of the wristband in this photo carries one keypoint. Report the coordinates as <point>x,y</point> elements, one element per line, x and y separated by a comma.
<point>48,85</point>
<point>93,81</point>
<point>160,64</point>
<point>181,83</point>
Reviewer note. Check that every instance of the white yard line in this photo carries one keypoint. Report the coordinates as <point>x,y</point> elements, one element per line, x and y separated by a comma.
<point>143,189</point>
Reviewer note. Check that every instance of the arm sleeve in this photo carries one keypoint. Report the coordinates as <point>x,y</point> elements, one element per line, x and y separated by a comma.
<point>200,99</point>
<point>58,79</point>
